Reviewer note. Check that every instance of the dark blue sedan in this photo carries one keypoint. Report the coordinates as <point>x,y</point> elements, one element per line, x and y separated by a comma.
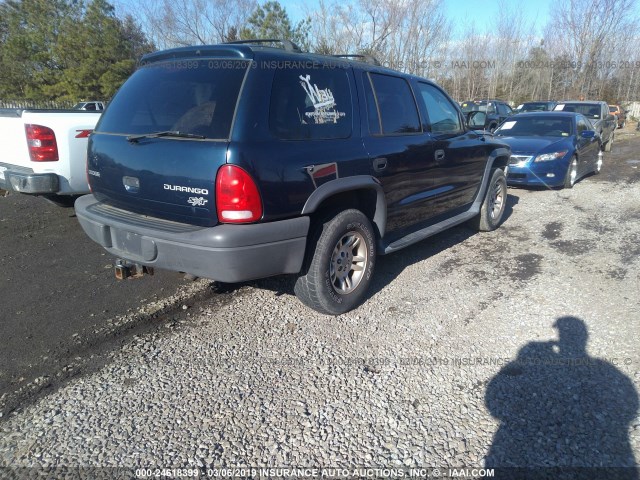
<point>550,149</point>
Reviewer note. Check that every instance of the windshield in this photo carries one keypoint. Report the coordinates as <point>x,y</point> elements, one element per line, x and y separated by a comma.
<point>473,107</point>
<point>589,110</point>
<point>613,109</point>
<point>547,126</point>
<point>196,97</point>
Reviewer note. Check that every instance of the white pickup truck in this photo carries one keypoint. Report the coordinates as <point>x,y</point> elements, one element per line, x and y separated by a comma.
<point>44,152</point>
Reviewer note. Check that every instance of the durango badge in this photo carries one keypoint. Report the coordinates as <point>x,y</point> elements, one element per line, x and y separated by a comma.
<point>178,188</point>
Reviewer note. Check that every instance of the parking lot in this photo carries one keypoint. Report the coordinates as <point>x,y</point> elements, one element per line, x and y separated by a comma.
<point>515,347</point>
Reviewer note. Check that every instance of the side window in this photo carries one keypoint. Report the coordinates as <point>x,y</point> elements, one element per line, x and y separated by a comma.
<point>310,104</point>
<point>397,105</point>
<point>372,107</point>
<point>582,125</point>
<point>504,109</point>
<point>443,115</point>
<point>491,108</point>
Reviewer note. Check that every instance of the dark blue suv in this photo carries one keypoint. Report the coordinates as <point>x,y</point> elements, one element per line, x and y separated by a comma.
<point>239,161</point>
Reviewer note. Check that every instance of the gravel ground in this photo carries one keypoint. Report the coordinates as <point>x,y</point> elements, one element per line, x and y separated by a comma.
<point>516,347</point>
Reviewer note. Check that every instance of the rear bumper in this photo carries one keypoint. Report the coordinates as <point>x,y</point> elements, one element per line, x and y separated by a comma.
<point>226,253</point>
<point>23,180</point>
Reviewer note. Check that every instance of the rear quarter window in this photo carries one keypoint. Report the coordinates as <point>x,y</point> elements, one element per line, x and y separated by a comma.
<point>189,96</point>
<point>310,104</point>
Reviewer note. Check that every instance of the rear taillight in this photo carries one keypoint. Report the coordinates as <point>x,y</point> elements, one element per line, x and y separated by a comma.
<point>42,143</point>
<point>237,197</point>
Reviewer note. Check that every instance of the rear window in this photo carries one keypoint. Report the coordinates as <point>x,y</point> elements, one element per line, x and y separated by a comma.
<point>310,104</point>
<point>189,96</point>
<point>534,107</point>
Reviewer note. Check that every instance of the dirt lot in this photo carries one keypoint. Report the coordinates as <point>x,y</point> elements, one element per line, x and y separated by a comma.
<point>59,300</point>
<point>513,348</point>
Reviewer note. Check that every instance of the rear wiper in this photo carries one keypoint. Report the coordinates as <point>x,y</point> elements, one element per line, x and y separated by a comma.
<point>168,133</point>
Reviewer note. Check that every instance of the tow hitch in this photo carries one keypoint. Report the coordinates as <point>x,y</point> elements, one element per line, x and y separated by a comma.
<point>124,269</point>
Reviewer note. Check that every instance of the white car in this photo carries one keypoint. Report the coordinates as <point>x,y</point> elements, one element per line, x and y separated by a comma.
<point>44,152</point>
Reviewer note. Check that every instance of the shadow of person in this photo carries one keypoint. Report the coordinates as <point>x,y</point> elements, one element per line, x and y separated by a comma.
<point>559,407</point>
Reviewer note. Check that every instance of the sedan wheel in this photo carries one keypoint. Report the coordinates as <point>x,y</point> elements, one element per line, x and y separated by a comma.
<point>599,162</point>
<point>572,174</point>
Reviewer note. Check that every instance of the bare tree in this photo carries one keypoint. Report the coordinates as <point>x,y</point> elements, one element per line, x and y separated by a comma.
<point>172,23</point>
<point>587,34</point>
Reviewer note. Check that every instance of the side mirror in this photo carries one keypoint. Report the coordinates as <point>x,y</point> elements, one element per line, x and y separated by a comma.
<point>476,120</point>
<point>588,134</point>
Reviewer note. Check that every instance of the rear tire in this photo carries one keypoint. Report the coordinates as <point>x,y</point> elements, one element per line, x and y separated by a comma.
<point>572,174</point>
<point>494,203</point>
<point>339,265</point>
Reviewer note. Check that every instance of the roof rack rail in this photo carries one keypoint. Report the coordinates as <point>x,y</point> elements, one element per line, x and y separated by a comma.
<point>365,58</point>
<point>288,45</point>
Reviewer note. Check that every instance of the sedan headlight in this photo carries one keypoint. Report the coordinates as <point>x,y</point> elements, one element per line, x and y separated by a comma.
<point>546,157</point>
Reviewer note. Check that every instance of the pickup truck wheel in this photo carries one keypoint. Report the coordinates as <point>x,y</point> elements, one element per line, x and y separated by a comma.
<point>607,146</point>
<point>493,205</point>
<point>339,265</point>
<point>572,174</point>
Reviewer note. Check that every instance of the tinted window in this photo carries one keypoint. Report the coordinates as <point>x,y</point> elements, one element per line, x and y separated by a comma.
<point>310,104</point>
<point>443,115</point>
<point>189,96</point>
<point>397,106</point>
<point>583,124</point>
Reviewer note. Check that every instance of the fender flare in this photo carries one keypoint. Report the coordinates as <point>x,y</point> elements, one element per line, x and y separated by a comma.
<point>347,184</point>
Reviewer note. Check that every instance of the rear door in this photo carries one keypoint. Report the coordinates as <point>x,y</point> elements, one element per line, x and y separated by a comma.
<point>169,176</point>
<point>401,153</point>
